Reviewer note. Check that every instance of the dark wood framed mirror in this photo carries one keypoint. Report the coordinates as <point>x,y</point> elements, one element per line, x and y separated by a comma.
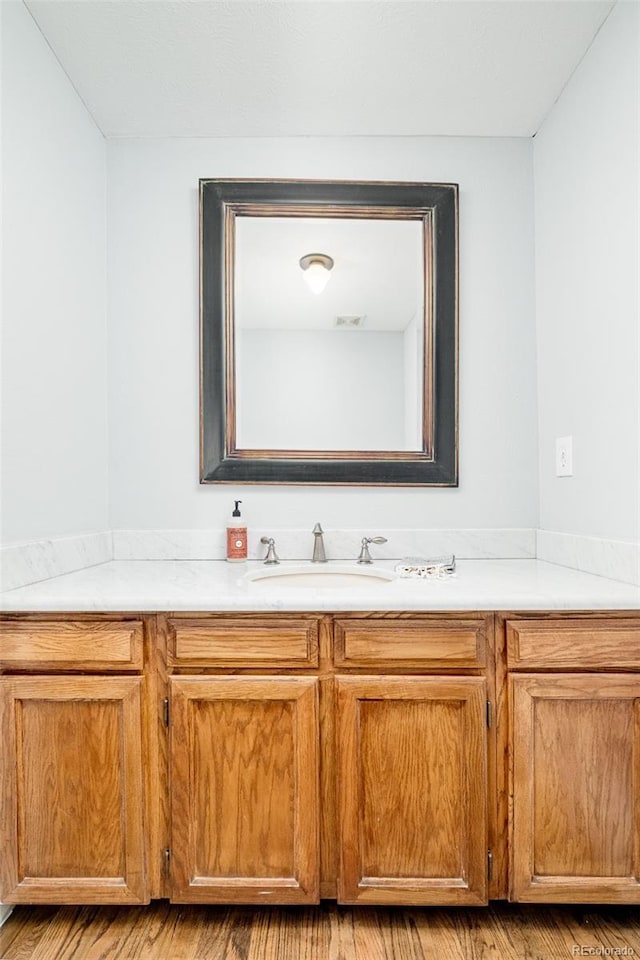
<point>329,332</point>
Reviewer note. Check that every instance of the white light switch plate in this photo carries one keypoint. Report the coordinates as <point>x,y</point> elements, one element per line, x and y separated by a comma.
<point>564,457</point>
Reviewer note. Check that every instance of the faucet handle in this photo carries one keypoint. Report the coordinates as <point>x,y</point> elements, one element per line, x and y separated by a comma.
<point>272,556</point>
<point>365,556</point>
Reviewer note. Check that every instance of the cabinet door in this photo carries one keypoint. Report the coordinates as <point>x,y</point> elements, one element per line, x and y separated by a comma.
<point>575,762</point>
<point>72,790</point>
<point>244,790</point>
<point>412,790</point>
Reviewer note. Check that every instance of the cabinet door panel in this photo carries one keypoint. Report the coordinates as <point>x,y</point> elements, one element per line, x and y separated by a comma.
<point>578,644</point>
<point>97,646</point>
<point>426,645</point>
<point>244,642</point>
<point>575,748</point>
<point>244,758</point>
<point>73,797</point>
<point>412,790</point>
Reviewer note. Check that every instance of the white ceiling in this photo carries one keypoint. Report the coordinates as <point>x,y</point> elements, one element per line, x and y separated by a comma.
<point>377,272</point>
<point>207,68</point>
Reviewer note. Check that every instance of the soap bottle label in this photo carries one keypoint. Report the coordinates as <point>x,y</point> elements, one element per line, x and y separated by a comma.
<point>236,543</point>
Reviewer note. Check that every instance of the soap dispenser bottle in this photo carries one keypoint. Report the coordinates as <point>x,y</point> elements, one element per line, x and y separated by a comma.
<point>236,536</point>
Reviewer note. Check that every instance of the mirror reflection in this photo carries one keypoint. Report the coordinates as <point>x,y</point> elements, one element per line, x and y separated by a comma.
<point>341,369</point>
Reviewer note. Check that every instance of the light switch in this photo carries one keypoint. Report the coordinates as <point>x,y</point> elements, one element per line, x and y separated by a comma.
<point>564,457</point>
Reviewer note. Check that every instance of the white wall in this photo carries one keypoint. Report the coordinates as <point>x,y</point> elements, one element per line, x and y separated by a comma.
<point>320,389</point>
<point>586,167</point>
<point>55,452</point>
<point>413,373</point>
<point>153,332</point>
<point>54,372</point>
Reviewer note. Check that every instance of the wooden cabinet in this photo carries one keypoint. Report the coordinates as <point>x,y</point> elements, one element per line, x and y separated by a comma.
<point>244,758</point>
<point>73,818</point>
<point>316,780</point>
<point>244,761</point>
<point>412,765</point>
<point>73,798</point>
<point>346,755</point>
<point>576,775</point>
<point>575,761</point>
<point>412,778</point>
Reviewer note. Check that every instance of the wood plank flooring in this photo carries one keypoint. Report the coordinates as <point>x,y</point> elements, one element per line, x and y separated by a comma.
<point>327,932</point>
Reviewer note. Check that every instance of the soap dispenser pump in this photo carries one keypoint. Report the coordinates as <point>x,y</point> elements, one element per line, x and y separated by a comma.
<point>236,536</point>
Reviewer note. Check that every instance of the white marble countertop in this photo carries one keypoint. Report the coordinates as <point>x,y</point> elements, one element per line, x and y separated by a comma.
<point>185,585</point>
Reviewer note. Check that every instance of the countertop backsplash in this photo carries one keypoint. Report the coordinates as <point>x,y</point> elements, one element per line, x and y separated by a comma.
<point>296,544</point>
<point>27,563</point>
<point>22,564</point>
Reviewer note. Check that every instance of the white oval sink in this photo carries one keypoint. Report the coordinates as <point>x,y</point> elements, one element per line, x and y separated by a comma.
<point>334,576</point>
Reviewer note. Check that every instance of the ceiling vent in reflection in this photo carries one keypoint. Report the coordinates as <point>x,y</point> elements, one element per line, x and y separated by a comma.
<point>350,322</point>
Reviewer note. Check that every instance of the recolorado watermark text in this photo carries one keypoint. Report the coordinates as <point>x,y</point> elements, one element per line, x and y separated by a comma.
<point>581,950</point>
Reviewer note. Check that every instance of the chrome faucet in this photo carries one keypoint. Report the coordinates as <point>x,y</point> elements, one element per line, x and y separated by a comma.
<point>365,556</point>
<point>319,556</point>
<point>272,556</point>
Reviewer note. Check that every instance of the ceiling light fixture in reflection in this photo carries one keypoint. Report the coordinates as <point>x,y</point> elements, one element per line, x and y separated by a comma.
<point>316,267</point>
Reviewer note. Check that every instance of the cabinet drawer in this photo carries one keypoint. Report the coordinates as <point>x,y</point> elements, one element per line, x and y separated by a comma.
<point>71,645</point>
<point>575,644</point>
<point>244,643</point>
<point>410,643</point>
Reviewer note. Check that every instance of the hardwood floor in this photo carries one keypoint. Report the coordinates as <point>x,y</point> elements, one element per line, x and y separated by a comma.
<point>327,932</point>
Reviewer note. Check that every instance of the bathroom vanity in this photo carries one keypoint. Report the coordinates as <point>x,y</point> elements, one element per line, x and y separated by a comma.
<point>263,751</point>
